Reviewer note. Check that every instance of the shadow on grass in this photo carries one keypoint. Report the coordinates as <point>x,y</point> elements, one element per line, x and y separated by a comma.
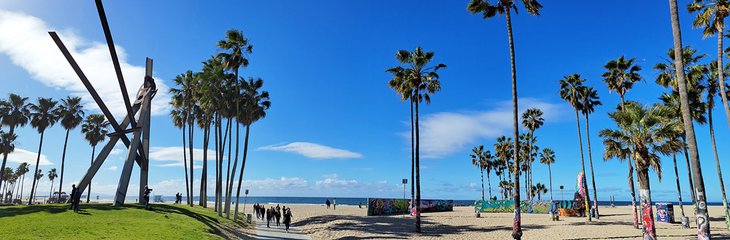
<point>397,227</point>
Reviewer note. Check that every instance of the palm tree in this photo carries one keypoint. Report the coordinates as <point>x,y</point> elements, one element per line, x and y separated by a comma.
<point>478,160</point>
<point>71,113</point>
<point>711,16</point>
<point>712,90</point>
<point>540,189</point>
<point>675,144</point>
<point>620,76</point>
<point>532,120</point>
<point>7,176</point>
<point>570,90</point>
<point>504,7</point>
<point>185,97</point>
<point>589,100</point>
<point>13,113</point>
<point>255,103</point>
<point>547,156</point>
<point>95,129</point>
<point>34,187</point>
<point>179,120</point>
<point>645,130</point>
<point>488,166</point>
<point>703,226</point>
<point>236,50</point>
<point>424,82</point>
<point>21,171</point>
<point>400,84</point>
<point>503,150</point>
<point>43,115</point>
<point>51,176</point>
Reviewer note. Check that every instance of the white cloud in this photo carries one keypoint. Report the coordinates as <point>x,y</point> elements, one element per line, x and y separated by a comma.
<point>26,41</point>
<point>272,184</point>
<point>116,151</point>
<point>332,180</point>
<point>174,155</point>
<point>313,150</point>
<point>444,133</point>
<point>112,168</point>
<point>24,156</point>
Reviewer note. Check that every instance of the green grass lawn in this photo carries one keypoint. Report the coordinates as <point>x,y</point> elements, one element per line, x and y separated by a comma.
<point>103,221</point>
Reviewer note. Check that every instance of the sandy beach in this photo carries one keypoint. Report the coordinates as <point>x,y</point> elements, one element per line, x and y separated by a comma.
<point>351,222</point>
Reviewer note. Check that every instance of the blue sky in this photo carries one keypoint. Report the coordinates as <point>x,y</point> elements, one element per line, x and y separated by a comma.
<point>335,128</point>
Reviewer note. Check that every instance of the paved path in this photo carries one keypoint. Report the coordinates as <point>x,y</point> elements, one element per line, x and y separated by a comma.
<point>274,232</point>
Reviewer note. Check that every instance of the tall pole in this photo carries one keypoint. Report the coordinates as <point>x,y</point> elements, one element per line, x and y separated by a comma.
<point>244,202</point>
<point>405,181</point>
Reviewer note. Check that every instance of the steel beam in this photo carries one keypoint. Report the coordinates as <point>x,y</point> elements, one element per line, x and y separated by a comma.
<point>131,155</point>
<point>115,58</point>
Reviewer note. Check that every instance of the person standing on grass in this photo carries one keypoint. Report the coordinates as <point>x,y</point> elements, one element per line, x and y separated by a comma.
<point>73,195</point>
<point>147,192</point>
<point>287,218</point>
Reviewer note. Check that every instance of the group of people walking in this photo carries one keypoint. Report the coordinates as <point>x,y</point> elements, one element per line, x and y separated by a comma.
<point>333,203</point>
<point>273,214</point>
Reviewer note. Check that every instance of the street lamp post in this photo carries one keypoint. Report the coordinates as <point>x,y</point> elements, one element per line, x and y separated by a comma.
<point>244,201</point>
<point>405,181</point>
<point>561,192</point>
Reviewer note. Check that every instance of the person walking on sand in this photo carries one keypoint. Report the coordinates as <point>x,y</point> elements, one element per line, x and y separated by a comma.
<point>268,217</point>
<point>277,215</point>
<point>287,219</point>
<point>327,202</point>
<point>334,204</point>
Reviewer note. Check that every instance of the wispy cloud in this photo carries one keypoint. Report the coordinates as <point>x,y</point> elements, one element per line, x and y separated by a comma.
<point>173,156</point>
<point>313,150</point>
<point>24,156</point>
<point>112,168</point>
<point>26,41</point>
<point>444,133</point>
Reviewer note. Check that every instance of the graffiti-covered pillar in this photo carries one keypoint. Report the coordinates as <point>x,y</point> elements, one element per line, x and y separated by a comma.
<point>647,215</point>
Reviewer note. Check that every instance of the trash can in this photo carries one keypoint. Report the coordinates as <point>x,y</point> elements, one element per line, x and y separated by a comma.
<point>248,218</point>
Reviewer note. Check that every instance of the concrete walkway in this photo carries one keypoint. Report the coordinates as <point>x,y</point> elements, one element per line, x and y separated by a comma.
<point>274,232</point>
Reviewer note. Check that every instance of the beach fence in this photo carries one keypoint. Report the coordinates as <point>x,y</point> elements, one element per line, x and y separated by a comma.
<point>508,206</point>
<point>387,206</point>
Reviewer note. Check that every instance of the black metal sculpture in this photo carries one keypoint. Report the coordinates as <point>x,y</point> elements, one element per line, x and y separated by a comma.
<point>138,146</point>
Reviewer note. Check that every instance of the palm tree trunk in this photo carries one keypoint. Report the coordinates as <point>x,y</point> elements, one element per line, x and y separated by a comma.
<point>689,173</point>
<point>413,158</point>
<point>703,220</point>
<point>720,73</point>
<point>63,161</point>
<point>550,175</point>
<point>37,161</point>
<point>482,172</point>
<point>489,184</point>
<point>191,129</point>
<point>647,214</point>
<point>719,171</point>
<point>529,165</point>
<point>631,179</point>
<point>418,174</point>
<point>583,165</point>
<point>216,142</point>
<point>203,198</point>
<point>93,152</point>
<point>50,192</point>
<point>185,161</point>
<point>593,175</point>
<point>228,171</point>
<point>5,161</point>
<point>516,226</point>
<point>233,175</point>
<point>243,166</point>
<point>679,190</point>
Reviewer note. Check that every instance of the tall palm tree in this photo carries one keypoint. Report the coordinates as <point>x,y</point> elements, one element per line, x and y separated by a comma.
<point>540,189</point>
<point>34,187</point>
<point>20,171</point>
<point>532,120</point>
<point>43,115</point>
<point>673,145</point>
<point>236,49</point>
<point>400,84</point>
<point>478,160</point>
<point>645,130</point>
<point>703,220</point>
<point>7,176</point>
<point>570,90</point>
<point>424,82</point>
<point>14,113</point>
<point>51,176</point>
<point>255,103</point>
<point>503,150</point>
<point>711,16</point>
<point>712,90</point>
<point>488,166</point>
<point>179,120</point>
<point>504,7</point>
<point>71,113</point>
<point>185,98</point>
<point>620,76</point>
<point>589,100</point>
<point>694,73</point>
<point>95,129</point>
<point>547,157</point>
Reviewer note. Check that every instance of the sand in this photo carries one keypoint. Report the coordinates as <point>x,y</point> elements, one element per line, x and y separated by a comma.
<point>351,222</point>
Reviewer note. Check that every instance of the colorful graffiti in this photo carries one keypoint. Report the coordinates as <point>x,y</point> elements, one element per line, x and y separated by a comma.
<point>504,206</point>
<point>665,212</point>
<point>385,206</point>
<point>568,208</point>
<point>647,218</point>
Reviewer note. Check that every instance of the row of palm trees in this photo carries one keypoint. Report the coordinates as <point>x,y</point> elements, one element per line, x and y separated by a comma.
<point>12,186</point>
<point>16,112</point>
<point>216,99</point>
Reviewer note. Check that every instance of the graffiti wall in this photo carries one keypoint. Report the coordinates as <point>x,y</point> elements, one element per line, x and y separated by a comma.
<point>509,206</point>
<point>568,208</point>
<point>385,206</point>
<point>665,212</point>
